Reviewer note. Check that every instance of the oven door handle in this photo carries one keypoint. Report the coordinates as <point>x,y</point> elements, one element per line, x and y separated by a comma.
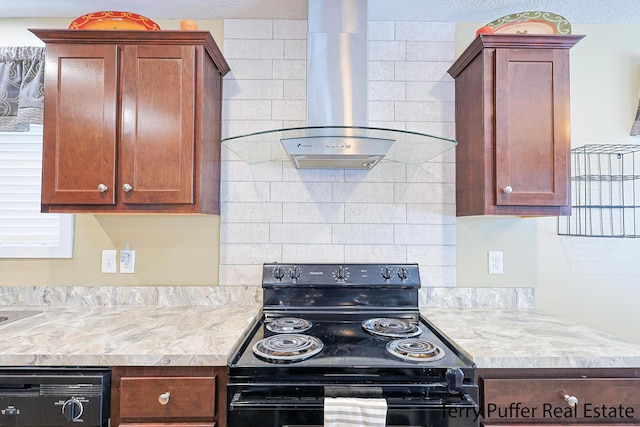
<point>278,402</point>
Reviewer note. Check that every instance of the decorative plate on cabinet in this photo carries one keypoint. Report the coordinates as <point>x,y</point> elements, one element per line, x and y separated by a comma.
<point>113,20</point>
<point>534,22</point>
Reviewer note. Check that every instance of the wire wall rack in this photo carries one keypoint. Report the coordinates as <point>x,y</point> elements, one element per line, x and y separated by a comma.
<point>605,192</point>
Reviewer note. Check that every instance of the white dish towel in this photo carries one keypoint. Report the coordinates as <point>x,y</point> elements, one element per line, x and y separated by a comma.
<point>354,412</point>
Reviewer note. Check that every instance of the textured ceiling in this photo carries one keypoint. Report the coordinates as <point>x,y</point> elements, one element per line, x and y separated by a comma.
<point>576,11</point>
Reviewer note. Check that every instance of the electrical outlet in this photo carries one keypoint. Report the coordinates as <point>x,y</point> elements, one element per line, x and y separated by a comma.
<point>109,264</point>
<point>127,261</point>
<point>496,262</point>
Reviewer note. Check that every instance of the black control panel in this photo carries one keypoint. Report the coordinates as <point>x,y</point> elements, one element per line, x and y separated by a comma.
<point>276,274</point>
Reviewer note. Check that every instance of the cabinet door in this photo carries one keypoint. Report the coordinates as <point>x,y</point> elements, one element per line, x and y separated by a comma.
<point>79,154</point>
<point>158,125</point>
<point>532,127</point>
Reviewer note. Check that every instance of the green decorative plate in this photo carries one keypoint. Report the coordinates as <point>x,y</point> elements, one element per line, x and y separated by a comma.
<point>534,22</point>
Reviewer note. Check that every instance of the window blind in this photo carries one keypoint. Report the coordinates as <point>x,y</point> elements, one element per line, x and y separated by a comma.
<point>25,232</point>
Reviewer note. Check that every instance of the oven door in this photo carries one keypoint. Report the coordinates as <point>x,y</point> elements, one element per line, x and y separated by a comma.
<point>302,405</point>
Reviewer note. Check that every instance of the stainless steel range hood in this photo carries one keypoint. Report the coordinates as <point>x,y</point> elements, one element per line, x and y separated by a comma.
<point>337,136</point>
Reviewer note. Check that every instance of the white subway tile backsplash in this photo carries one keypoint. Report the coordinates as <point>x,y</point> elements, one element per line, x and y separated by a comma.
<point>392,213</point>
<point>375,213</point>
<point>300,233</point>
<point>381,111</point>
<point>432,213</point>
<point>288,109</point>
<point>381,30</point>
<point>430,51</point>
<point>295,49</point>
<point>247,109</point>
<point>312,253</point>
<point>237,232</point>
<point>431,91</point>
<point>240,274</point>
<point>247,29</point>
<point>385,171</point>
<point>254,49</point>
<point>291,174</point>
<point>363,192</point>
<point>290,29</point>
<point>425,111</point>
<point>438,276</point>
<point>246,69</point>
<point>252,212</point>
<point>432,255</point>
<point>427,234</point>
<point>258,173</point>
<point>320,213</point>
<point>245,191</point>
<point>295,89</point>
<point>387,50</point>
<point>293,69</point>
<point>387,91</point>
<point>381,70</point>
<point>425,31</point>
<point>362,234</point>
<point>422,71</point>
<point>376,253</point>
<point>249,253</point>
<point>424,192</point>
<point>307,192</point>
<point>257,89</point>
<point>244,127</point>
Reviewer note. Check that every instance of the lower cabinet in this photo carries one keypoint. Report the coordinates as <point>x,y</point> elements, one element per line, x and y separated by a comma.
<point>594,396</point>
<point>168,396</point>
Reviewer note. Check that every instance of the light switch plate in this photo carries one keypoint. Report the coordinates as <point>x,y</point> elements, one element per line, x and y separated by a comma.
<point>127,261</point>
<point>109,264</point>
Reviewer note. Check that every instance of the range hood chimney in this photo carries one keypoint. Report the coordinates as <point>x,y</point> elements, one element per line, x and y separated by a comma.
<point>336,135</point>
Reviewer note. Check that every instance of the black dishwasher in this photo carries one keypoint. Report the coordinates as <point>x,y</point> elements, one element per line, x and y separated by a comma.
<point>53,397</point>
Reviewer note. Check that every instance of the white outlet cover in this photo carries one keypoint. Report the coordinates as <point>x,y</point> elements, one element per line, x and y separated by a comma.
<point>109,263</point>
<point>127,261</point>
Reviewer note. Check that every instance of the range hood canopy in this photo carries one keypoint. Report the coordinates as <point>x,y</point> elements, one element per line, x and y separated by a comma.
<point>337,147</point>
<point>337,136</point>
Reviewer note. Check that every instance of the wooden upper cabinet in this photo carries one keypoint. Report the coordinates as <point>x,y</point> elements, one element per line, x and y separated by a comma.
<point>132,121</point>
<point>513,125</point>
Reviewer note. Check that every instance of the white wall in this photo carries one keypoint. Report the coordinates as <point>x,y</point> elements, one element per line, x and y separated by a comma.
<point>393,213</point>
<point>594,281</point>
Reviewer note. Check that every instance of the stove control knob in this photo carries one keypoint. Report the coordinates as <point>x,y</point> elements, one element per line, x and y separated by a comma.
<point>278,273</point>
<point>454,377</point>
<point>402,273</point>
<point>294,273</point>
<point>340,273</point>
<point>386,273</point>
<point>72,409</point>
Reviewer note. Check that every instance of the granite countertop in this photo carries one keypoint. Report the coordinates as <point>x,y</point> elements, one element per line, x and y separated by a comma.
<point>125,336</point>
<point>202,326</point>
<point>529,338</point>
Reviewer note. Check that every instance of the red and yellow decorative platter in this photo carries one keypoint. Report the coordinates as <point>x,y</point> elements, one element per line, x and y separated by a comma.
<point>532,22</point>
<point>112,20</point>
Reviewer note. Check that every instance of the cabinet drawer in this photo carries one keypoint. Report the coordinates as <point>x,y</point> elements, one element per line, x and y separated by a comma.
<point>142,397</point>
<point>599,400</point>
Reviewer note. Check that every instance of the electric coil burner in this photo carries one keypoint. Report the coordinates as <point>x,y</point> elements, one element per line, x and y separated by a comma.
<point>287,348</point>
<point>349,330</point>
<point>396,328</point>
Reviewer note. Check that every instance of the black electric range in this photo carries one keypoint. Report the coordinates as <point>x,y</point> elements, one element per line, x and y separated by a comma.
<point>347,330</point>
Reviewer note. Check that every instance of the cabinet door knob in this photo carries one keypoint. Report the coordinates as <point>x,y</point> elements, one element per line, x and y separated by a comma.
<point>571,400</point>
<point>127,187</point>
<point>507,189</point>
<point>102,188</point>
<point>163,399</point>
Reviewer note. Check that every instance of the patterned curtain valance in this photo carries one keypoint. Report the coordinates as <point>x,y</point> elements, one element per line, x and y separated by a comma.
<point>21,87</point>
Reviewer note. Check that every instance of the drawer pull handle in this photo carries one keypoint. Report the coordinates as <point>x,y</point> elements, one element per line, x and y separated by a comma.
<point>163,399</point>
<point>571,400</point>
